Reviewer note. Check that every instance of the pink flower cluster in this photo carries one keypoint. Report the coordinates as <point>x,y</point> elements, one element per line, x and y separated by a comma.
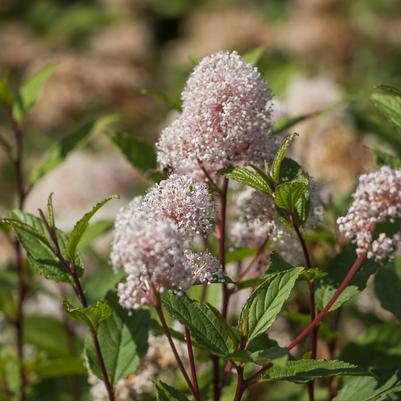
<point>150,239</point>
<point>376,200</point>
<point>226,116</point>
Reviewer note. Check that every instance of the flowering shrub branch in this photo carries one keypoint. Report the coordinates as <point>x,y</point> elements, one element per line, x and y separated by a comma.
<point>232,214</point>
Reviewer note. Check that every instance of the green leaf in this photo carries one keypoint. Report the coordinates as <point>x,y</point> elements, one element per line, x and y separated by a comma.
<point>292,171</point>
<point>388,100</point>
<point>385,159</point>
<point>304,370</point>
<point>261,351</point>
<point>81,226</point>
<point>31,90</point>
<point>252,178</point>
<point>293,197</point>
<point>92,315</point>
<point>370,388</point>
<point>278,158</point>
<point>6,95</point>
<point>164,392</point>
<point>208,329</point>
<point>253,57</point>
<point>36,242</point>
<point>75,141</point>
<point>123,341</point>
<point>50,211</point>
<point>65,366</point>
<point>277,264</point>
<point>266,302</point>
<point>336,270</point>
<point>171,103</point>
<point>140,154</point>
<point>312,274</point>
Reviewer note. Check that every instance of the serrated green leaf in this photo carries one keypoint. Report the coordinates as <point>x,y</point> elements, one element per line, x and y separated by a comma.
<point>270,352</point>
<point>31,90</point>
<point>140,154</point>
<point>92,315</point>
<point>385,159</point>
<point>50,210</point>
<point>388,100</point>
<point>293,198</point>
<point>254,56</point>
<point>278,158</point>
<point>75,141</point>
<point>208,329</point>
<point>252,178</point>
<point>370,388</point>
<point>265,303</point>
<point>164,392</point>
<point>336,271</point>
<point>39,254</point>
<point>81,226</point>
<point>304,370</point>
<point>26,228</point>
<point>123,341</point>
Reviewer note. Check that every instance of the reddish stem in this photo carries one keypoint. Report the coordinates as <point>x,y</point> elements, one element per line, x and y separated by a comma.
<point>222,244</point>
<point>312,306</point>
<point>167,333</point>
<point>192,362</point>
<point>21,196</point>
<point>318,318</point>
<point>333,299</point>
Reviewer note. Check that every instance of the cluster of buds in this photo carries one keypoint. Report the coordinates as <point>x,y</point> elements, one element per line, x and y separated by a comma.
<point>376,200</point>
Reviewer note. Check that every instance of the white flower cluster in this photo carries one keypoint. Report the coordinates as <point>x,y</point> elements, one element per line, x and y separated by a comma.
<point>205,267</point>
<point>376,200</point>
<point>257,219</point>
<point>150,240</point>
<point>226,116</point>
<point>183,200</point>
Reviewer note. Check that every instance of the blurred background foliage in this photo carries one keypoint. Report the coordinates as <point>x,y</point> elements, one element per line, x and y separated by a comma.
<point>132,57</point>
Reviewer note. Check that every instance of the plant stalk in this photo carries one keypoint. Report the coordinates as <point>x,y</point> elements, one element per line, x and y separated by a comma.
<point>21,196</point>
<point>318,318</point>
<point>167,333</point>
<point>192,362</point>
<point>312,307</point>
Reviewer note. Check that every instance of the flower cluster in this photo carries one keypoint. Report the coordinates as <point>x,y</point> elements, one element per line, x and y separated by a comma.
<point>150,239</point>
<point>257,219</point>
<point>226,116</point>
<point>376,200</point>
